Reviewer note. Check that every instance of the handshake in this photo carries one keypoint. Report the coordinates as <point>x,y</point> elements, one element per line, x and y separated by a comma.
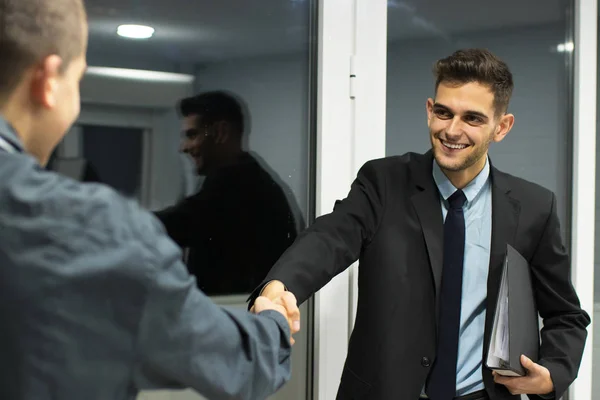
<point>275,297</point>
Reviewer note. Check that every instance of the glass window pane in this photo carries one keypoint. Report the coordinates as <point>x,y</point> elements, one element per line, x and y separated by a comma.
<point>228,170</point>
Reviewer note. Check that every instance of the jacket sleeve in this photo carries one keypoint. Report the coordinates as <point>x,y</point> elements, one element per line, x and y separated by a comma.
<point>194,218</point>
<point>334,241</point>
<point>564,332</point>
<point>185,340</point>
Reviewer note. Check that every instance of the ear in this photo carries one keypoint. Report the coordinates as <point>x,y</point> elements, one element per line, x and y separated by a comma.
<point>44,86</point>
<point>222,130</point>
<point>506,123</point>
<point>429,109</point>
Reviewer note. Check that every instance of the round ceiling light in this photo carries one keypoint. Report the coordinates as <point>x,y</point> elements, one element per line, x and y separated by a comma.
<point>135,31</point>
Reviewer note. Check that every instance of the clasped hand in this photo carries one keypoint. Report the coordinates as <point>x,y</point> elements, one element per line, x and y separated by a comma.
<point>275,297</point>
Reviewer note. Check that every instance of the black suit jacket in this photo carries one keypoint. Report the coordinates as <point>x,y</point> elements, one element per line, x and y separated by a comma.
<point>235,227</point>
<point>392,223</point>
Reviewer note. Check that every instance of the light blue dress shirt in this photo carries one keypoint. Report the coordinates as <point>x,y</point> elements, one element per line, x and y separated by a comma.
<point>478,223</point>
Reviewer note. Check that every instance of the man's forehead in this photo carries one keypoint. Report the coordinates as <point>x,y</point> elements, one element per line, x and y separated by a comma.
<point>191,121</point>
<point>466,97</point>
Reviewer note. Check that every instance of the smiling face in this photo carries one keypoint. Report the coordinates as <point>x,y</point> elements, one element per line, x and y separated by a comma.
<point>197,143</point>
<point>462,123</point>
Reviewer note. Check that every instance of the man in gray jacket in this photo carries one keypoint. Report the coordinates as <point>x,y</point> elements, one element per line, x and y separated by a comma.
<point>94,300</point>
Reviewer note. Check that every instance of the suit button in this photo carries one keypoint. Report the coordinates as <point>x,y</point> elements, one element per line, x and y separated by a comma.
<point>425,362</point>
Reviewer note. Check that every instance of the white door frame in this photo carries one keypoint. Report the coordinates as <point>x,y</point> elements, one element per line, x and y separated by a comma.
<point>584,177</point>
<point>350,131</point>
<point>334,162</point>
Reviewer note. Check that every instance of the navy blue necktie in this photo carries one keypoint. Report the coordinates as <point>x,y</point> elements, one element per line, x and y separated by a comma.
<point>442,379</point>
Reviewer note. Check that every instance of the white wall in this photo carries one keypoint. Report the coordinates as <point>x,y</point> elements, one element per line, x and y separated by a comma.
<point>140,93</point>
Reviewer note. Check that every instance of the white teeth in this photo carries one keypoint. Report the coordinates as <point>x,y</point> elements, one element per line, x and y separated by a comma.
<point>454,146</point>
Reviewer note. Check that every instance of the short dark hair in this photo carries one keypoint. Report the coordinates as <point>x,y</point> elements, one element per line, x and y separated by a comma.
<point>213,107</point>
<point>481,66</point>
<point>31,30</point>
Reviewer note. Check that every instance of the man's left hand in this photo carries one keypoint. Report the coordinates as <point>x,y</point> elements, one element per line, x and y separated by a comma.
<point>537,380</point>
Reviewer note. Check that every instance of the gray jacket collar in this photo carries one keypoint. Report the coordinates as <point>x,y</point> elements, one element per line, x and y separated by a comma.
<point>8,133</point>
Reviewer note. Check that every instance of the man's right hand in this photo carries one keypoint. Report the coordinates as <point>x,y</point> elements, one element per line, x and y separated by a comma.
<point>275,297</point>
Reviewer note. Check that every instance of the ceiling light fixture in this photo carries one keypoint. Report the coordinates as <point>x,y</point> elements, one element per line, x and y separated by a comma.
<point>565,47</point>
<point>140,75</point>
<point>135,31</point>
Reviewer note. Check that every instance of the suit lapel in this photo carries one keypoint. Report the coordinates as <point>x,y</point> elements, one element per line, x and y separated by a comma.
<point>426,201</point>
<point>505,217</point>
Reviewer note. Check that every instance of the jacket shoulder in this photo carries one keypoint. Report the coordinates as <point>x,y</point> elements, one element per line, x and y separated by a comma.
<point>389,163</point>
<point>533,197</point>
<point>82,217</point>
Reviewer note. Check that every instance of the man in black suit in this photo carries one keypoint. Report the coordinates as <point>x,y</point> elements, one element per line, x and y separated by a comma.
<point>430,232</point>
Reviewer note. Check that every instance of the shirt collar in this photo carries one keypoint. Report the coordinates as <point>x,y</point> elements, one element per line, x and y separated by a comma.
<point>8,133</point>
<point>446,188</point>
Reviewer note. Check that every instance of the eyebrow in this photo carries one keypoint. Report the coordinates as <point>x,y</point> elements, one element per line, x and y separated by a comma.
<point>190,132</point>
<point>468,112</point>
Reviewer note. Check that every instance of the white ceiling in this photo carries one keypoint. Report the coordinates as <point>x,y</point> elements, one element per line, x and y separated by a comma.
<point>200,30</point>
<point>414,18</point>
<point>197,31</point>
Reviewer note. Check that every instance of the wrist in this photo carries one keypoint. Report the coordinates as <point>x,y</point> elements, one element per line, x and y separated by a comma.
<point>272,289</point>
<point>548,387</point>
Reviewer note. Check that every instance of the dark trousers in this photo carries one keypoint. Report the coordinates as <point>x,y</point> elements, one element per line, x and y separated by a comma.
<point>480,395</point>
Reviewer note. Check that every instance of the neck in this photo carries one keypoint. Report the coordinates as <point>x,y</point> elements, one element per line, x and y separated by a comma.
<point>462,178</point>
<point>231,156</point>
<point>17,114</point>
<point>224,160</point>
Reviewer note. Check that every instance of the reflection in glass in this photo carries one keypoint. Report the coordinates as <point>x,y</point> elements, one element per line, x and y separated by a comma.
<point>239,222</point>
<point>254,176</point>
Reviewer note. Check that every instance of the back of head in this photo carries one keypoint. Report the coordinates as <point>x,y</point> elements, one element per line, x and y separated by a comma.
<point>33,29</point>
<point>215,106</point>
<point>480,66</point>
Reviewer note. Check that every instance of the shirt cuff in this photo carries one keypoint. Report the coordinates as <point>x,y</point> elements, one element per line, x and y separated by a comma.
<point>267,284</point>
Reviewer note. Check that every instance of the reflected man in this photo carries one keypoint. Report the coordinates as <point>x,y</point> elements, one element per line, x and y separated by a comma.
<point>240,222</point>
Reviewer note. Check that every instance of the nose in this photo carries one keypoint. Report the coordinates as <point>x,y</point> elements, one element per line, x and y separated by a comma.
<point>184,146</point>
<point>454,129</point>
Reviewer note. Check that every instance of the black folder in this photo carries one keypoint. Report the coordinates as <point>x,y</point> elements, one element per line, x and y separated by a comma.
<point>515,330</point>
